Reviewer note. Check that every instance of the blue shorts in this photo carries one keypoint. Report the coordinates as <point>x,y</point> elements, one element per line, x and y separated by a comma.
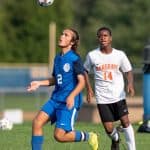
<point>60,114</point>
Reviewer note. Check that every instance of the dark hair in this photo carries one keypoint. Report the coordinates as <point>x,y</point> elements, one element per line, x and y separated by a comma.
<point>104,28</point>
<point>75,39</point>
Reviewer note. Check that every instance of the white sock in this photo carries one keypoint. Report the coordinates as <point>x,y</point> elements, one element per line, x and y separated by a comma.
<point>114,135</point>
<point>129,135</point>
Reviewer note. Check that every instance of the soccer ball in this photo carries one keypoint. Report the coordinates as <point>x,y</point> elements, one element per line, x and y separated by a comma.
<point>45,3</point>
<point>6,124</point>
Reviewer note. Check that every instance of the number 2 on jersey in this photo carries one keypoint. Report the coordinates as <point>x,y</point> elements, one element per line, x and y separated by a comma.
<point>59,79</point>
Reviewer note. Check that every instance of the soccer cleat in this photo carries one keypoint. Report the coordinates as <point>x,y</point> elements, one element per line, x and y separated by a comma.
<point>115,145</point>
<point>93,141</point>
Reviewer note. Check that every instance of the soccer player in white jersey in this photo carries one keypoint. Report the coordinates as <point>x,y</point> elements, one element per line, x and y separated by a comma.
<point>108,65</point>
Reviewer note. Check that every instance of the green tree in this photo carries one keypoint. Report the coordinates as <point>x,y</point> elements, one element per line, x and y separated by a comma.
<point>128,19</point>
<point>24,29</point>
<point>24,26</point>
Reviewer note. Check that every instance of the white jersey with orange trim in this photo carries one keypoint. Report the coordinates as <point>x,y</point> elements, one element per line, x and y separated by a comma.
<point>108,68</point>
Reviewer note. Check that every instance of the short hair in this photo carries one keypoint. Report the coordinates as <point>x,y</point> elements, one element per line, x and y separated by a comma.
<point>104,28</point>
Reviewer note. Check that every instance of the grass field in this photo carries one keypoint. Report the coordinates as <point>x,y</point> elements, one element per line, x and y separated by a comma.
<point>19,138</point>
<point>26,101</point>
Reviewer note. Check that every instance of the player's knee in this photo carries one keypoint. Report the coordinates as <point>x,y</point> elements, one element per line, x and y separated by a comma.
<point>125,124</point>
<point>125,121</point>
<point>58,137</point>
<point>36,123</point>
<point>109,129</point>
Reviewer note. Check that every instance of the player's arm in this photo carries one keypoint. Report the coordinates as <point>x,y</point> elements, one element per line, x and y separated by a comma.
<point>88,66</point>
<point>130,80</point>
<point>76,91</point>
<point>90,93</point>
<point>34,85</point>
<point>127,69</point>
<point>79,72</point>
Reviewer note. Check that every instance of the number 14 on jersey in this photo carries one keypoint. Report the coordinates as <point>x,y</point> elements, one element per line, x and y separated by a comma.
<point>107,76</point>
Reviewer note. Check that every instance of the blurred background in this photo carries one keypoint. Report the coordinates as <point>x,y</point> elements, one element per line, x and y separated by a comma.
<point>25,44</point>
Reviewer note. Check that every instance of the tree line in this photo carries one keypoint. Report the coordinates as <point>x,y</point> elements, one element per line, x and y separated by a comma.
<point>24,26</point>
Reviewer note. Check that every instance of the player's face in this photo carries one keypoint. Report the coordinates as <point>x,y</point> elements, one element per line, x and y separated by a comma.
<point>104,38</point>
<point>65,40</point>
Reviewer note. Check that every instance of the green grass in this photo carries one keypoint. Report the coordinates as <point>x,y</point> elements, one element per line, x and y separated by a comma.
<point>19,138</point>
<point>26,102</point>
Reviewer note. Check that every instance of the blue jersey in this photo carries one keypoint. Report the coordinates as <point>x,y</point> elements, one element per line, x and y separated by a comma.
<point>66,68</point>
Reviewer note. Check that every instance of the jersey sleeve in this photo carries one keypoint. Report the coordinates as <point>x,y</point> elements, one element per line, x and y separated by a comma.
<point>125,64</point>
<point>78,67</point>
<point>87,63</point>
<point>53,74</point>
<point>53,71</point>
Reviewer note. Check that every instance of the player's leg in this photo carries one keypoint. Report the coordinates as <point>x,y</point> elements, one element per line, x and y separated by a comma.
<point>129,132</point>
<point>37,131</point>
<point>107,117</point>
<point>39,121</point>
<point>127,127</point>
<point>113,134</point>
<point>76,136</point>
<point>64,131</point>
<point>71,136</point>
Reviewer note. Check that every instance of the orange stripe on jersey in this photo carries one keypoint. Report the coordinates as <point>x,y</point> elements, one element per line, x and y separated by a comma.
<point>105,67</point>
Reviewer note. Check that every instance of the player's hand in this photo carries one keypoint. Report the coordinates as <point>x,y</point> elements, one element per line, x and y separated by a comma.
<point>130,89</point>
<point>90,95</point>
<point>34,85</point>
<point>70,102</point>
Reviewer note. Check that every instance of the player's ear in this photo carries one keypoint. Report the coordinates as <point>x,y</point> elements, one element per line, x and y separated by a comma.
<point>72,43</point>
<point>111,38</point>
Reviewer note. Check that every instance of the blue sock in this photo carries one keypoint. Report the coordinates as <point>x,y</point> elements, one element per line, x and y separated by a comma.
<point>81,136</point>
<point>37,142</point>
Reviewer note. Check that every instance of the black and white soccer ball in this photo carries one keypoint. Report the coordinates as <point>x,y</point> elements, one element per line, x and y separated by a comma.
<point>45,3</point>
<point>5,124</point>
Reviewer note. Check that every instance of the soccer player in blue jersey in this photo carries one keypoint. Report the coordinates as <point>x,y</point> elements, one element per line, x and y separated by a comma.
<point>66,99</point>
